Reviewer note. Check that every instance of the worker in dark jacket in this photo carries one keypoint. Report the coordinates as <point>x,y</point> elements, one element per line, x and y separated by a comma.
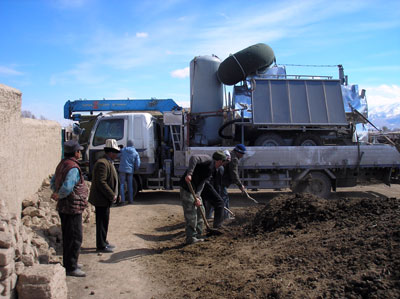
<point>70,192</point>
<point>199,171</point>
<point>104,192</point>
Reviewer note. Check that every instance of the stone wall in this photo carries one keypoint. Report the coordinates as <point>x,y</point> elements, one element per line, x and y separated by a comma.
<point>30,150</point>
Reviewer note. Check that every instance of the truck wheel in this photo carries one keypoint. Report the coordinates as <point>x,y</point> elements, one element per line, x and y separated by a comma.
<point>269,140</point>
<point>317,184</point>
<point>308,139</point>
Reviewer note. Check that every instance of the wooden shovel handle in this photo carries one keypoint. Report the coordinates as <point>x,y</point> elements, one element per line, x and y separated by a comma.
<point>201,210</point>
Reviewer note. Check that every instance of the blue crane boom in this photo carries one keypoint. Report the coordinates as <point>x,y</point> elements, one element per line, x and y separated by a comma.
<point>91,106</point>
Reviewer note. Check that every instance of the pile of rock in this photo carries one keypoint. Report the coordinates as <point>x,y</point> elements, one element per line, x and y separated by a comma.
<point>39,213</point>
<point>30,240</point>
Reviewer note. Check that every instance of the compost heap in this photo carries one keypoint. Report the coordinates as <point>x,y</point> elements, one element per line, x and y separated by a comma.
<point>296,246</point>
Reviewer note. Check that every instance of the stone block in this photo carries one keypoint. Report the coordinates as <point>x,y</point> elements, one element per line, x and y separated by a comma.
<point>19,267</point>
<point>5,240</point>
<point>28,260</point>
<point>7,270</point>
<point>9,285</point>
<point>6,256</point>
<point>43,281</point>
<point>32,200</point>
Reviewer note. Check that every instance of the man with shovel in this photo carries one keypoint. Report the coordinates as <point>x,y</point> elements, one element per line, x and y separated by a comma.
<point>231,172</point>
<point>200,170</point>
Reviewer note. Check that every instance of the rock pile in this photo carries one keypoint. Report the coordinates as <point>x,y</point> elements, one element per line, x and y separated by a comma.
<point>32,239</point>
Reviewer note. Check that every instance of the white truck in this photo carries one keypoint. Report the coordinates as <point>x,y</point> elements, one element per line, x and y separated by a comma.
<point>297,133</point>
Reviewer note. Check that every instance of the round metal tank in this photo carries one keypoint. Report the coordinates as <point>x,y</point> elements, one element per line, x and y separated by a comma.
<point>206,95</point>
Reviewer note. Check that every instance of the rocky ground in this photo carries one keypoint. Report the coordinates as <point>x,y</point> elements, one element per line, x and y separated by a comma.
<point>290,246</point>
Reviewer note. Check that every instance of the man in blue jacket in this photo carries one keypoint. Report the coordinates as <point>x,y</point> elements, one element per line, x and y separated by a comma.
<point>129,162</point>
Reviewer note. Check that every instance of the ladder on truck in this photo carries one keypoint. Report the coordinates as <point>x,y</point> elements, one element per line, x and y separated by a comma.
<point>176,135</point>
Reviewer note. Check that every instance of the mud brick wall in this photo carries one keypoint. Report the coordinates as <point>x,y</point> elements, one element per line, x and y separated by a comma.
<point>30,150</point>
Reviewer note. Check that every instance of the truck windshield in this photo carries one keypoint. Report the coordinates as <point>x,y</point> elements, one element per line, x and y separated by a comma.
<point>109,129</point>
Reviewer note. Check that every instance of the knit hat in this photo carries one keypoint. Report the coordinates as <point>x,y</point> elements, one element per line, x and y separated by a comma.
<point>219,155</point>
<point>72,146</point>
<point>240,148</point>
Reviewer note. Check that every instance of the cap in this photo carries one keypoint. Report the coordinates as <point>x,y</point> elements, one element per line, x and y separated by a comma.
<point>240,148</point>
<point>72,146</point>
<point>219,155</point>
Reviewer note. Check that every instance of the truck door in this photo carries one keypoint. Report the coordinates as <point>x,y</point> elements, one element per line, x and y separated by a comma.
<point>107,128</point>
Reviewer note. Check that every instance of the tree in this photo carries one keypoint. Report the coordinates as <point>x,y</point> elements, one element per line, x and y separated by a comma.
<point>27,114</point>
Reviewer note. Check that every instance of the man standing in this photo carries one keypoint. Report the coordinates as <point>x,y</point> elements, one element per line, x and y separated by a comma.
<point>199,171</point>
<point>70,192</point>
<point>104,192</point>
<point>231,172</point>
<point>129,162</point>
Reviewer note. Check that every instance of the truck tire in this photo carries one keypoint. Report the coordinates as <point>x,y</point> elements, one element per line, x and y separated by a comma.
<point>269,140</point>
<point>317,183</point>
<point>307,139</point>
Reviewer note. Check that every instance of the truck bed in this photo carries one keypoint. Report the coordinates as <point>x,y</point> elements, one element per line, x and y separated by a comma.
<point>315,157</point>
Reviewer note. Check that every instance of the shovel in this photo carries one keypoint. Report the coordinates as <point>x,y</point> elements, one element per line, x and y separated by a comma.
<point>209,229</point>
<point>249,197</point>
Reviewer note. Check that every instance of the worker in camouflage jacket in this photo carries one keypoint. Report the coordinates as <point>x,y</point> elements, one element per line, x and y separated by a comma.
<point>199,171</point>
<point>70,192</point>
<point>231,173</point>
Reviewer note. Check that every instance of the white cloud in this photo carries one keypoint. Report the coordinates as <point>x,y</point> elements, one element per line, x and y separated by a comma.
<point>83,73</point>
<point>142,34</point>
<point>382,95</point>
<point>9,71</point>
<point>71,3</point>
<point>181,73</point>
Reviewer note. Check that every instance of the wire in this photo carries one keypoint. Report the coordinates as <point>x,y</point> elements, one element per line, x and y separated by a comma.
<point>310,65</point>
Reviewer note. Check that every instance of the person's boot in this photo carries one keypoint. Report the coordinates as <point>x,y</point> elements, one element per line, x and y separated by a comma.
<point>193,240</point>
<point>77,273</point>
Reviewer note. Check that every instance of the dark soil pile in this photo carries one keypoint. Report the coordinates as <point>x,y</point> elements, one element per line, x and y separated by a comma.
<point>294,247</point>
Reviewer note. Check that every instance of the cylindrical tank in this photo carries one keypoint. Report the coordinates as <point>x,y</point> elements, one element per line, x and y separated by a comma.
<point>238,66</point>
<point>206,95</point>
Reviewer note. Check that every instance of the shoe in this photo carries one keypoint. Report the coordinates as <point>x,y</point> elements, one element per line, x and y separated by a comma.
<point>110,245</point>
<point>131,202</point>
<point>193,240</point>
<point>79,266</point>
<point>106,249</point>
<point>77,273</point>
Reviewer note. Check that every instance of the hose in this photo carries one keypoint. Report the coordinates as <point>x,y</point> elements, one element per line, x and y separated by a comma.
<point>228,124</point>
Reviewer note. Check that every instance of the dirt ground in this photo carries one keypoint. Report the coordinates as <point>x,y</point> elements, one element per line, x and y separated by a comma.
<point>290,246</point>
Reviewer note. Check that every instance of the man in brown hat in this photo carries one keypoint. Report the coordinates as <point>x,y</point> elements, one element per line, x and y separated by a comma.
<point>104,192</point>
<point>200,170</point>
<point>70,192</point>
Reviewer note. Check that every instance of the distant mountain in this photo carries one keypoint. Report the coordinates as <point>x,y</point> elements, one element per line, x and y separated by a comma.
<point>385,115</point>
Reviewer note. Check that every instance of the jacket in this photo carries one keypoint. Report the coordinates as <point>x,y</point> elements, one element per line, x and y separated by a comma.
<point>200,168</point>
<point>76,201</point>
<point>231,172</point>
<point>104,183</point>
<point>129,160</point>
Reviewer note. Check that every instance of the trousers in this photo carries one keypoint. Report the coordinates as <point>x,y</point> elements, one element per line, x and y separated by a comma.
<point>194,221</point>
<point>71,227</point>
<point>102,221</point>
<point>123,178</point>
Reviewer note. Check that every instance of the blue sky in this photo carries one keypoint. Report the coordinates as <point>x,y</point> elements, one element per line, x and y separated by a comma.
<point>59,50</point>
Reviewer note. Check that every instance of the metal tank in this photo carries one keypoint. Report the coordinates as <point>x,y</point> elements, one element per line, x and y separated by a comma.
<point>206,95</point>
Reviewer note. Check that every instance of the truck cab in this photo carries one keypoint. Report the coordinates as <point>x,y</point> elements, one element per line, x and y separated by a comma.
<point>138,127</point>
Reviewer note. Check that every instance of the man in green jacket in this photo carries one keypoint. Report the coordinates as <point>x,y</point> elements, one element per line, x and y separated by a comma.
<point>104,192</point>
